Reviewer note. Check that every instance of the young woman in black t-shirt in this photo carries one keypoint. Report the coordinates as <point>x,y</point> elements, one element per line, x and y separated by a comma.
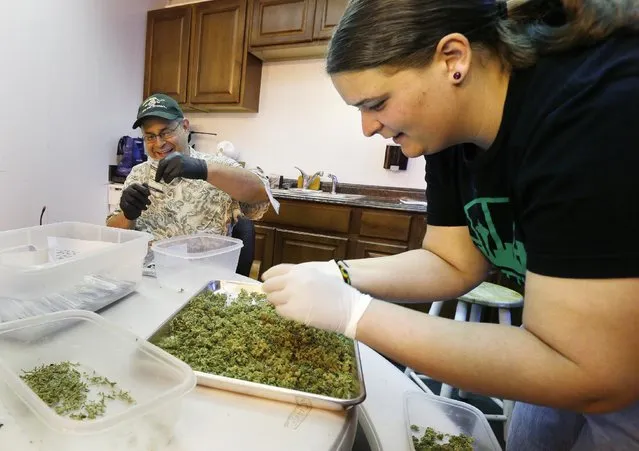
<point>528,117</point>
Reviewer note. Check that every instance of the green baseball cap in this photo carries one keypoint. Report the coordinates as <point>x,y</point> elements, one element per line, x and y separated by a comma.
<point>159,105</point>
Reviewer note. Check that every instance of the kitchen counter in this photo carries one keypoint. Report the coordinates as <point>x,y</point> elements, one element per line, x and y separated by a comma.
<point>218,420</point>
<point>366,201</point>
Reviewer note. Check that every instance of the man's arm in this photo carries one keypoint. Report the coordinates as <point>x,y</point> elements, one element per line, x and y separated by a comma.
<point>118,220</point>
<point>239,183</point>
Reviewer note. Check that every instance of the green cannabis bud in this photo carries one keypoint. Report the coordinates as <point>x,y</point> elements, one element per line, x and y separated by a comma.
<point>433,440</point>
<point>248,340</point>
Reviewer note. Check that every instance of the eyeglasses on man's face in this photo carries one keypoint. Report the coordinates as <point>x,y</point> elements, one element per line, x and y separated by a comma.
<point>165,134</point>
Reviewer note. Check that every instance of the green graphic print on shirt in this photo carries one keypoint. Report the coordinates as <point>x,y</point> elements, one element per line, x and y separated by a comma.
<point>492,229</point>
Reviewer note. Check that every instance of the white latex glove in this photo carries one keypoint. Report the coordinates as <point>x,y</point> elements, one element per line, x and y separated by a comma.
<point>315,298</point>
<point>329,268</point>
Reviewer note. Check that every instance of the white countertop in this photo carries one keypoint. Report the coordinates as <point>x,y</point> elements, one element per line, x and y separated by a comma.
<point>217,420</point>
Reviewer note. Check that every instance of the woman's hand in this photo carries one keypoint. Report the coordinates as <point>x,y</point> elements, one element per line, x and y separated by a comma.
<point>314,297</point>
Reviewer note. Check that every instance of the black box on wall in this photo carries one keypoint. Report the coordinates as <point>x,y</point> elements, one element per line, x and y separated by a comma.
<point>394,159</point>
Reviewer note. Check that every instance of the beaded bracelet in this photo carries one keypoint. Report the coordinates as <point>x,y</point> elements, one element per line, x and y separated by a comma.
<point>343,268</point>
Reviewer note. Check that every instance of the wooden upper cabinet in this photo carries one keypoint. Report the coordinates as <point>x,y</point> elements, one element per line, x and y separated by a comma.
<point>327,16</point>
<point>167,52</point>
<point>198,54</point>
<point>282,22</point>
<point>217,47</point>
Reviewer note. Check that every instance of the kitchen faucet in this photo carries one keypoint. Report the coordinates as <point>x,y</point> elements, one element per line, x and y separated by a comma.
<point>333,183</point>
<point>306,179</point>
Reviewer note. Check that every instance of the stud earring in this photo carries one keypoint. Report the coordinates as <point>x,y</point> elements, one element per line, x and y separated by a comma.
<point>457,75</point>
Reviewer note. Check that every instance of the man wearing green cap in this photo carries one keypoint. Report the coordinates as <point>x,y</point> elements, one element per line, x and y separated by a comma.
<point>179,191</point>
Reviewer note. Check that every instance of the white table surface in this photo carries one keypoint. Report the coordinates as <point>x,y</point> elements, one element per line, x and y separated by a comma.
<point>217,420</point>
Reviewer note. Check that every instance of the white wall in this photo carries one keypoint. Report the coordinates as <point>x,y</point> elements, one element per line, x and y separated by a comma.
<point>72,75</point>
<point>304,122</point>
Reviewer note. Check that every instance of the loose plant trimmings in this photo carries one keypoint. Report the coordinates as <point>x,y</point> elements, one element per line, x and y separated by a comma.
<point>248,340</point>
<point>66,390</point>
<point>433,440</point>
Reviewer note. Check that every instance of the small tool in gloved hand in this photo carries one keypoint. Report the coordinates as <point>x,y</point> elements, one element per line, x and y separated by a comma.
<point>153,186</point>
<point>178,165</point>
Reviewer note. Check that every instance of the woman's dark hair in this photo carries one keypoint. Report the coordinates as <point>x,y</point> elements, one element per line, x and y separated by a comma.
<point>405,33</point>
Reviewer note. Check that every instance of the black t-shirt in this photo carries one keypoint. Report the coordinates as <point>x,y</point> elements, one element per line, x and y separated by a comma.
<point>558,191</point>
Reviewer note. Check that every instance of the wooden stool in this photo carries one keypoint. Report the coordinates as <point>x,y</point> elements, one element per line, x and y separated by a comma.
<point>485,295</point>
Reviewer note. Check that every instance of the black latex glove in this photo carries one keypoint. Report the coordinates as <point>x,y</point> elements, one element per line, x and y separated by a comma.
<point>177,165</point>
<point>134,200</point>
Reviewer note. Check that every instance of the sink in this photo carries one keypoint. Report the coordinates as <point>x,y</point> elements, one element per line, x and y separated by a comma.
<point>317,193</point>
<point>344,196</point>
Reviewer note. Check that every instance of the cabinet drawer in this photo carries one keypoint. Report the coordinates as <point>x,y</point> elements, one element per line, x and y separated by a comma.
<point>371,249</point>
<point>312,216</point>
<point>391,226</point>
<point>299,247</point>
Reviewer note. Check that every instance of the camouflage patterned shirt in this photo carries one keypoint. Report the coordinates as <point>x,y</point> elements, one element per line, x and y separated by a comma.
<point>191,206</point>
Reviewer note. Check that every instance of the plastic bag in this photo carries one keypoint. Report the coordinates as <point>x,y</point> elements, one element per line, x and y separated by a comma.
<point>94,293</point>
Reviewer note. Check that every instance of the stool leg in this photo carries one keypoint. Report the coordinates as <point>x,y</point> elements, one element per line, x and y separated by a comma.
<point>504,316</point>
<point>420,383</point>
<point>435,308</point>
<point>475,313</point>
<point>475,317</point>
<point>461,313</point>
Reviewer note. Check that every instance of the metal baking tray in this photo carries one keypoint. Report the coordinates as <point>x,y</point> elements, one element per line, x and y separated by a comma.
<point>263,390</point>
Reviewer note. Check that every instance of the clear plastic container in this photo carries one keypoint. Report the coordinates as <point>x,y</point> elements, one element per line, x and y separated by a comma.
<point>156,381</point>
<point>185,263</point>
<point>447,416</point>
<point>67,259</point>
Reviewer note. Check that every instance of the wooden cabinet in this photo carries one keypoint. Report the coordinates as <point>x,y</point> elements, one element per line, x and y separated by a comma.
<point>282,22</point>
<point>293,29</point>
<point>198,54</point>
<point>370,249</point>
<point>309,231</point>
<point>327,16</point>
<point>168,34</point>
<point>299,247</point>
<point>264,242</point>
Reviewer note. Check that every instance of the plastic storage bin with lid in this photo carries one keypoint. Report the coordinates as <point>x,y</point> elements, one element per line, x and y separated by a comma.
<point>155,380</point>
<point>67,265</point>
<point>186,263</point>
<point>459,418</point>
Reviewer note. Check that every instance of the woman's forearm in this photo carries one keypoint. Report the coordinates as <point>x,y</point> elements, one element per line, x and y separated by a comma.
<point>520,366</point>
<point>413,276</point>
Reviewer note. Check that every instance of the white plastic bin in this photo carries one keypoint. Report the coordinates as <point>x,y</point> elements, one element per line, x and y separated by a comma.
<point>69,260</point>
<point>458,418</point>
<point>185,263</point>
<point>156,381</point>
